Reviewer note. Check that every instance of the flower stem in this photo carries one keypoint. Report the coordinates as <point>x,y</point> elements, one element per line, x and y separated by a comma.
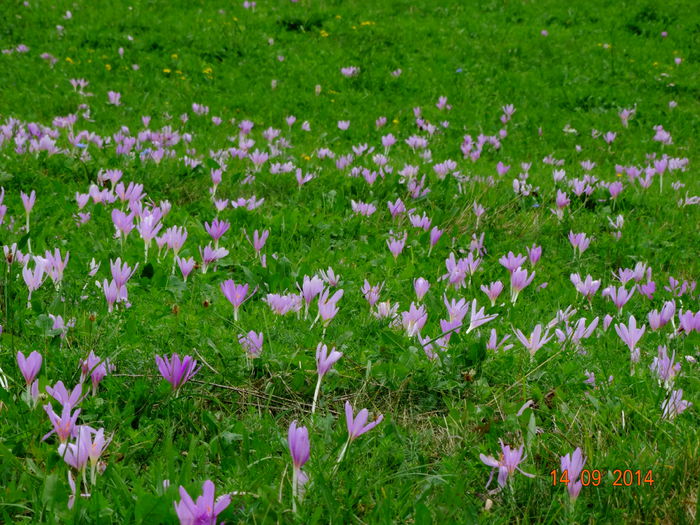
<point>318,388</point>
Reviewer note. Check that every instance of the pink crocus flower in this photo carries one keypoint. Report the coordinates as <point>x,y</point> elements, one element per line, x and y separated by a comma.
<point>112,293</point>
<point>357,425</point>
<point>205,510</point>
<point>536,340</point>
<point>495,345</point>
<point>216,229</point>
<point>507,464</point>
<point>414,319</point>
<point>512,262</point>
<point>95,367</point>
<point>300,450</point>
<point>328,307</point>
<point>674,405</point>
<point>421,287</point>
<point>534,253</point>
<point>435,235</point>
<point>176,371</point>
<point>492,291</point>
<point>665,368</point>
<point>61,394</point>
<point>28,201</point>
<point>236,295</point>
<point>33,279</point>
<point>587,287</point>
<point>579,241</point>
<point>371,293</point>
<point>619,296</point>
<point>252,343</point>
<point>63,425</point>
<point>631,335</point>
<point>186,266</point>
<point>571,467</point>
<point>29,366</point>
<point>519,280</point>
<point>260,239</point>
<point>114,98</point>
<point>324,362</point>
<point>396,244</point>
<point>210,255</point>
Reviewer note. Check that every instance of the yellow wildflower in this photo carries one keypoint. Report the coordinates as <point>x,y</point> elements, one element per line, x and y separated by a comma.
<point>108,67</point>
<point>166,70</point>
<point>324,33</point>
<point>69,60</point>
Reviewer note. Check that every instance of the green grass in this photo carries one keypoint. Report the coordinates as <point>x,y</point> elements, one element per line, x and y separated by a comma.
<point>229,424</point>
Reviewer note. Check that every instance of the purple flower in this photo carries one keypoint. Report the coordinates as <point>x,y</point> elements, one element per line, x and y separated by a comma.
<point>414,319</point>
<point>512,262</point>
<point>310,288</point>
<point>507,463</point>
<point>77,454</point>
<point>630,334</point>
<point>619,296</point>
<point>328,307</point>
<point>421,287</point>
<point>358,425</point>
<point>217,228</point>
<point>493,290</point>
<point>324,360</point>
<point>186,266</point>
<point>396,208</point>
<point>495,345</point>
<point>371,293</point>
<point>478,318</point>
<point>674,405</point>
<point>435,235</point>
<point>33,279</point>
<point>300,449</point>
<point>112,293</point>
<point>175,371</point>
<point>298,441</point>
<point>536,340</point>
<point>260,239</point>
<point>63,425</point>
<point>587,287</point>
<point>518,281</point>
<point>29,366</point>
<point>61,394</point>
<point>210,255</point>
<point>572,465</point>
<point>665,368</point>
<point>579,241</point>
<point>283,304</point>
<point>350,71</point>
<point>396,244</point>
<point>252,343</point>
<point>205,511</point>
<point>121,273</point>
<point>235,293</point>
<point>329,277</point>
<point>534,253</point>
<point>114,98</point>
<point>95,367</point>
<point>28,201</point>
